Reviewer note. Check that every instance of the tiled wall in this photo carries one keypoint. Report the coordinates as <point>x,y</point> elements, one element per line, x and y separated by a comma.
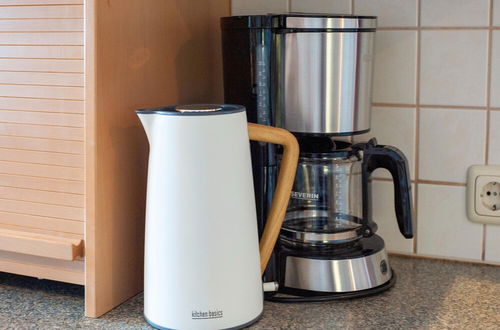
<point>436,97</point>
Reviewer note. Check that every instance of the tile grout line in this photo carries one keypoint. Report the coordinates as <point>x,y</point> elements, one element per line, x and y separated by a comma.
<point>434,106</point>
<point>417,130</point>
<point>352,7</point>
<point>488,110</point>
<point>433,182</point>
<point>437,28</point>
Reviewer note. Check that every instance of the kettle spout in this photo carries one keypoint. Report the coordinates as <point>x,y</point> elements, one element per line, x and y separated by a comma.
<point>147,122</point>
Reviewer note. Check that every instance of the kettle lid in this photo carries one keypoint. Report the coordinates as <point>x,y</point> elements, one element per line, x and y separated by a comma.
<point>194,109</point>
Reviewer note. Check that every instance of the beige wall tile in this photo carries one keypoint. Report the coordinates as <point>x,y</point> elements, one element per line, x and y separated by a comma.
<point>394,78</point>
<point>258,7</point>
<point>321,6</point>
<point>450,141</point>
<point>496,12</point>
<point>443,227</point>
<point>494,143</point>
<point>454,12</point>
<point>453,67</point>
<point>495,70</point>
<point>385,217</point>
<point>389,12</point>
<point>492,247</point>
<point>396,127</point>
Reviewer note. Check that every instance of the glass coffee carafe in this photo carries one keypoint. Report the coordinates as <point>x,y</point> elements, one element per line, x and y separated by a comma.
<point>330,202</point>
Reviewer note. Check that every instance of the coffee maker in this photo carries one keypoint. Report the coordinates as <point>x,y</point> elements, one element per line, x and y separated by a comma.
<point>311,74</point>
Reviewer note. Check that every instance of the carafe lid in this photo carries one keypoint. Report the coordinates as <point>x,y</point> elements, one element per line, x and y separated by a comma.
<point>324,147</point>
<point>194,109</point>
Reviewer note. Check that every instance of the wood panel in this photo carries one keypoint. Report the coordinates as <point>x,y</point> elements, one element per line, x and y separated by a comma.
<point>72,174</point>
<point>41,118</point>
<point>41,245</point>
<point>43,92</point>
<point>34,38</point>
<point>45,268</point>
<point>43,52</point>
<point>140,53</point>
<point>42,65</point>
<point>31,104</point>
<point>24,221</point>
<point>42,196</point>
<point>44,232</point>
<point>42,78</point>
<point>10,12</point>
<point>47,184</point>
<point>41,157</point>
<point>41,25</point>
<point>44,210</point>
<point>60,146</point>
<point>40,2</point>
<point>46,132</point>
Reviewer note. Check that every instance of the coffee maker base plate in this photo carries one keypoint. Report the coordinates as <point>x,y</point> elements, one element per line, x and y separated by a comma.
<point>344,272</point>
<point>299,296</point>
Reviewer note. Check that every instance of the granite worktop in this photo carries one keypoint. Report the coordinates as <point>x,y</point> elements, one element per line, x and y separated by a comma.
<point>429,294</point>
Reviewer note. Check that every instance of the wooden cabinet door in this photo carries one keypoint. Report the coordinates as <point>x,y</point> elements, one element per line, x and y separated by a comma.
<point>42,138</point>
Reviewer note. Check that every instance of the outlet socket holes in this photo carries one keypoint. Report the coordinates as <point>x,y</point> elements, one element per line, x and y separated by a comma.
<point>490,196</point>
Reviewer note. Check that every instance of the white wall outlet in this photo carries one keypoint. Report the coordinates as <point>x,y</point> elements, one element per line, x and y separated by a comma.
<point>483,194</point>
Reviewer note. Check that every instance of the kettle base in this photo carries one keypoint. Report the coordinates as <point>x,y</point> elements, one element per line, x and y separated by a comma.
<point>244,325</point>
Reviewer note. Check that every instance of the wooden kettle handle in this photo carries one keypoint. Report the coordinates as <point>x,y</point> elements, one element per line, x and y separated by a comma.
<point>286,176</point>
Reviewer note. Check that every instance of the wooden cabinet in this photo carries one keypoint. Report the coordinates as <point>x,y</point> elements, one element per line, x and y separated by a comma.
<point>73,156</point>
<point>42,139</point>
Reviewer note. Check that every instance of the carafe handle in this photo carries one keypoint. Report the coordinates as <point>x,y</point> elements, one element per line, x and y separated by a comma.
<point>392,159</point>
<point>284,185</point>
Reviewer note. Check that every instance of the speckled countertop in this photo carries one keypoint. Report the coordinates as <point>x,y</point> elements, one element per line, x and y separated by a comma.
<point>429,294</point>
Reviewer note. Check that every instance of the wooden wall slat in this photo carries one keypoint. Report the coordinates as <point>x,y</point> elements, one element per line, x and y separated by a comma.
<point>42,171</point>
<point>41,118</point>
<point>40,222</point>
<point>44,210</point>
<point>47,132</point>
<point>42,65</point>
<point>73,11</point>
<point>41,78</point>
<point>72,187</point>
<point>39,196</point>
<point>30,38</point>
<point>42,52</point>
<point>14,103</point>
<point>41,231</point>
<point>40,2</point>
<point>40,157</point>
<point>75,24</point>
<point>22,143</point>
<point>59,146</point>
<point>46,92</point>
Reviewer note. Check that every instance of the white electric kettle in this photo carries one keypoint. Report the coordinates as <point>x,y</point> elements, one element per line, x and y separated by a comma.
<point>202,263</point>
